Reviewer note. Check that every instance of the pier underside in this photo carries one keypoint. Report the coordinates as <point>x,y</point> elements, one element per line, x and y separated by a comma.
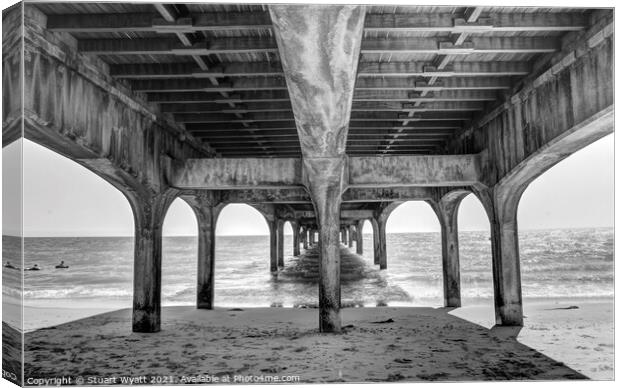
<point>323,116</point>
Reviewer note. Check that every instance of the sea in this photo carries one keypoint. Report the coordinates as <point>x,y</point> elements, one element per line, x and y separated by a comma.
<point>561,263</point>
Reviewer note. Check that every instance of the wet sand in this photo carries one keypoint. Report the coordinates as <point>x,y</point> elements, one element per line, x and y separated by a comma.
<point>378,344</point>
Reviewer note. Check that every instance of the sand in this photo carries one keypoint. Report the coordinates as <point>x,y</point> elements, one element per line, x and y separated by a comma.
<point>421,344</point>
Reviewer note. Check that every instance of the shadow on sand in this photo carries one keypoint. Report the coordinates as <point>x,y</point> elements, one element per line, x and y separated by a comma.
<point>377,344</point>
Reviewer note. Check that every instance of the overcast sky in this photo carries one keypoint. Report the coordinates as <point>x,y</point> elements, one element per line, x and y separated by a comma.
<point>64,199</point>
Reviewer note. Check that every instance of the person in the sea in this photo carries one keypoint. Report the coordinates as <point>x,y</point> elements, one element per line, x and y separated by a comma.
<point>34,268</point>
<point>62,265</point>
<point>9,265</point>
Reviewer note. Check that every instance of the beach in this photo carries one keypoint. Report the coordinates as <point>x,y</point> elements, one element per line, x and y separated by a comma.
<point>420,344</point>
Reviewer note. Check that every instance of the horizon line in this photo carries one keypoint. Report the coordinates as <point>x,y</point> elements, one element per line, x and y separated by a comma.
<point>266,235</point>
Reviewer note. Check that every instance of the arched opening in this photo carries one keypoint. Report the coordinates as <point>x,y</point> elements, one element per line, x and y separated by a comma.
<point>179,255</point>
<point>288,241</point>
<point>369,242</point>
<point>414,254</point>
<point>242,276</point>
<point>73,215</point>
<point>475,253</point>
<point>475,259</point>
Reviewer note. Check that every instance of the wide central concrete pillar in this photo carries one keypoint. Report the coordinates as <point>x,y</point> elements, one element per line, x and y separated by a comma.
<point>325,176</point>
<point>149,212</point>
<point>359,244</point>
<point>319,48</point>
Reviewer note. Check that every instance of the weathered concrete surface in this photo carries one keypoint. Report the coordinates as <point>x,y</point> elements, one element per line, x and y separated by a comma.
<point>207,209</point>
<point>447,209</point>
<point>560,101</point>
<point>393,172</point>
<point>73,108</point>
<point>236,173</point>
<point>359,243</point>
<point>296,238</point>
<point>12,90</point>
<point>508,298</point>
<point>273,245</point>
<point>351,235</point>
<point>418,170</point>
<point>280,234</point>
<point>325,177</point>
<point>319,48</point>
<point>366,195</point>
<point>304,237</point>
<point>149,213</point>
<point>343,214</point>
<point>556,112</point>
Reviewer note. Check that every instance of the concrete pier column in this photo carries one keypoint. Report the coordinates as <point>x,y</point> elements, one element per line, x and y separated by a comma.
<point>304,237</point>
<point>382,246</point>
<point>149,212</point>
<point>375,240</point>
<point>447,213</point>
<point>501,205</point>
<point>280,236</point>
<point>273,245</point>
<point>380,250</point>
<point>296,237</point>
<point>359,244</point>
<point>343,232</point>
<point>206,210</point>
<point>319,48</point>
<point>351,229</point>
<point>325,183</point>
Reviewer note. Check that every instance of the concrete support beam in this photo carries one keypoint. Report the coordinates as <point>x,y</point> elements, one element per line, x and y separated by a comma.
<point>447,213</point>
<point>235,173</point>
<point>423,170</point>
<point>359,244</point>
<point>362,172</point>
<point>149,212</point>
<point>207,210</point>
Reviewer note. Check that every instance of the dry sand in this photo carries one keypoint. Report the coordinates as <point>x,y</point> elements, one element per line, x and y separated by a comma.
<point>420,344</point>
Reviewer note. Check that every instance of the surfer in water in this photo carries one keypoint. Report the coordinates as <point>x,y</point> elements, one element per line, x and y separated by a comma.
<point>9,265</point>
<point>62,265</point>
<point>34,268</point>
